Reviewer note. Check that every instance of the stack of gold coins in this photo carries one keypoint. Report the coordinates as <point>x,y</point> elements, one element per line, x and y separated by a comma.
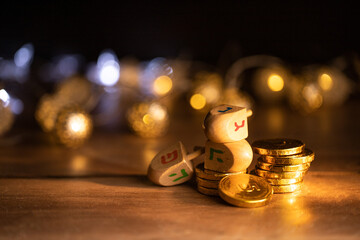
<point>208,180</point>
<point>283,163</point>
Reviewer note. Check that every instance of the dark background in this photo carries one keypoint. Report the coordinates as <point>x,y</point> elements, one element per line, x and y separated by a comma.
<point>296,31</point>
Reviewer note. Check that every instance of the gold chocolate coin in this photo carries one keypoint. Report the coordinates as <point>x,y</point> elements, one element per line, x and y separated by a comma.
<point>270,174</point>
<point>287,188</point>
<point>208,191</point>
<point>307,156</point>
<point>285,181</point>
<point>244,190</point>
<point>279,146</point>
<point>282,168</point>
<point>211,175</point>
<point>207,183</point>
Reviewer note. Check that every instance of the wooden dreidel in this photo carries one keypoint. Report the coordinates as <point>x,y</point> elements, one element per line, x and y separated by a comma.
<point>226,123</point>
<point>228,157</point>
<point>172,166</point>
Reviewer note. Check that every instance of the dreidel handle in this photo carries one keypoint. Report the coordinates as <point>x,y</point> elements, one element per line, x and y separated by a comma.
<point>249,112</point>
<point>198,150</point>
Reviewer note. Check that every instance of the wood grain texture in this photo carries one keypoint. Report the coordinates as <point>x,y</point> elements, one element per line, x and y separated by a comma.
<point>101,191</point>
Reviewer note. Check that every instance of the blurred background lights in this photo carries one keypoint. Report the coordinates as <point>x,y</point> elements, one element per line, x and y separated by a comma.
<point>325,82</point>
<point>275,82</point>
<point>109,73</point>
<point>148,119</point>
<point>107,69</point>
<point>206,92</point>
<point>155,78</point>
<point>312,95</point>
<point>162,85</point>
<point>4,97</point>
<point>73,126</point>
<point>17,106</point>
<point>270,83</point>
<point>67,65</point>
<point>197,101</point>
<point>77,123</point>
<point>24,55</point>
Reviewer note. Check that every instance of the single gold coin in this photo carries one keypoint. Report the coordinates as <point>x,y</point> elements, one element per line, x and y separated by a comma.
<point>207,183</point>
<point>284,181</point>
<point>281,168</point>
<point>287,188</point>
<point>211,175</point>
<point>307,156</point>
<point>282,175</point>
<point>244,190</point>
<point>278,146</point>
<point>208,191</point>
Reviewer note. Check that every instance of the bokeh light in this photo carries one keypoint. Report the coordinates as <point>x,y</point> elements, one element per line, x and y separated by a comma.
<point>24,55</point>
<point>4,97</point>
<point>275,82</point>
<point>325,82</point>
<point>148,119</point>
<point>197,101</point>
<point>73,126</point>
<point>162,85</point>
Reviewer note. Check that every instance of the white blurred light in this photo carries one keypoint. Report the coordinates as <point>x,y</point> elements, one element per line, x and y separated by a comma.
<point>109,73</point>
<point>151,71</point>
<point>105,57</point>
<point>17,106</point>
<point>67,65</point>
<point>4,96</point>
<point>108,68</point>
<point>24,55</point>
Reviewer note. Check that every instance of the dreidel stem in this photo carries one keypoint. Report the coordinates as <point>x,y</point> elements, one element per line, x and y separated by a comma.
<point>197,152</point>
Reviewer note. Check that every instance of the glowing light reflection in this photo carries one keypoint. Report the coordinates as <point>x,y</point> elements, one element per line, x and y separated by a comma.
<point>162,85</point>
<point>275,83</point>
<point>17,106</point>
<point>325,82</point>
<point>197,101</point>
<point>24,55</point>
<point>77,124</point>
<point>4,96</point>
<point>108,69</point>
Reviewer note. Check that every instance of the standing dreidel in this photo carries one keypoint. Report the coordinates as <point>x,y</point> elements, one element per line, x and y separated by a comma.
<point>227,150</point>
<point>172,166</point>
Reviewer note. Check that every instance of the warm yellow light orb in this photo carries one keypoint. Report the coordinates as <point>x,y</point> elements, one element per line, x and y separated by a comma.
<point>197,101</point>
<point>147,119</point>
<point>77,123</point>
<point>325,82</point>
<point>275,83</point>
<point>73,126</point>
<point>162,85</point>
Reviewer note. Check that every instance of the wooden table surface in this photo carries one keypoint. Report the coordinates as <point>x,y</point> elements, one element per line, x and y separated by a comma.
<point>100,191</point>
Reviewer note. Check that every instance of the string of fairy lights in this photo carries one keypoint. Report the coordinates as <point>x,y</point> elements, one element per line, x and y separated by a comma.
<point>143,94</point>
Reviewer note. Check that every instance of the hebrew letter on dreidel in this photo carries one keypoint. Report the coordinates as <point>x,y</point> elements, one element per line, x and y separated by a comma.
<point>212,151</point>
<point>183,172</point>
<point>237,126</point>
<point>227,109</point>
<point>173,154</point>
<point>226,123</point>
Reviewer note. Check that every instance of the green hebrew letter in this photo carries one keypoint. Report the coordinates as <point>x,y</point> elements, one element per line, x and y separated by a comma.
<point>212,151</point>
<point>183,172</point>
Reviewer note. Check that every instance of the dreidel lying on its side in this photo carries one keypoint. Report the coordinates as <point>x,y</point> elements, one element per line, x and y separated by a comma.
<point>173,165</point>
